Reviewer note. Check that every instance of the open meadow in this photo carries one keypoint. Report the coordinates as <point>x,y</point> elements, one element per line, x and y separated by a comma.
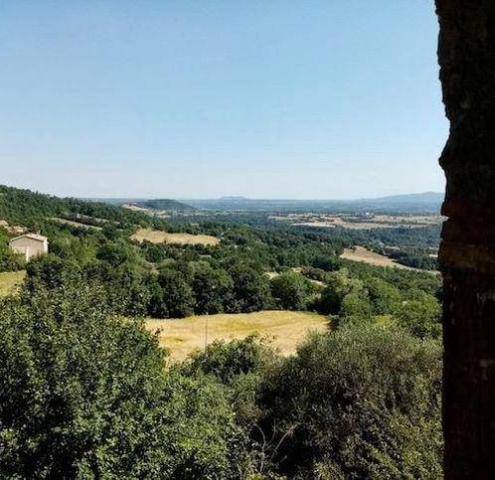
<point>10,282</point>
<point>362,254</point>
<point>357,221</point>
<point>287,329</point>
<point>73,223</point>
<point>158,236</point>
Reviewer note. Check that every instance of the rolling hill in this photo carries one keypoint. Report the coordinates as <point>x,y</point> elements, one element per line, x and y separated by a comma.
<point>24,207</point>
<point>165,204</point>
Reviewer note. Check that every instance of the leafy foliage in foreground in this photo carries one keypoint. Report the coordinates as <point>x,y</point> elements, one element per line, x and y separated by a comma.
<point>360,403</point>
<point>86,396</point>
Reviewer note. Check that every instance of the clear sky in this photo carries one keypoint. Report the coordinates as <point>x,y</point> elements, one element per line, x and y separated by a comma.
<point>180,98</point>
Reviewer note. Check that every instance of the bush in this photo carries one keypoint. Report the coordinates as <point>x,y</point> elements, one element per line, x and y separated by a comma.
<point>170,295</point>
<point>362,402</point>
<point>291,291</point>
<point>421,317</point>
<point>239,366</point>
<point>229,360</point>
<point>85,396</point>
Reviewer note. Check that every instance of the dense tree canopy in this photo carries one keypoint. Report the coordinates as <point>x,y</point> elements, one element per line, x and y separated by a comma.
<point>292,291</point>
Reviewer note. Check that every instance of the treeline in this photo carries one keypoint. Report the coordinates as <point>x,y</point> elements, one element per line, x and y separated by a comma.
<point>423,259</point>
<point>85,395</point>
<point>421,237</point>
<point>170,281</point>
<point>176,291</point>
<point>408,246</point>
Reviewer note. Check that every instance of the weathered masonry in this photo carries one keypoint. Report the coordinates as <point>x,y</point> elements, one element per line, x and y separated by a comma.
<point>466,54</point>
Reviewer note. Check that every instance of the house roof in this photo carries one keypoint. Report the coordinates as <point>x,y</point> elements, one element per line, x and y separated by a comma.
<point>32,236</point>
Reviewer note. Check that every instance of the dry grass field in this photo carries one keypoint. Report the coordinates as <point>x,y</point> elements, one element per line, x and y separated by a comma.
<point>287,329</point>
<point>358,222</point>
<point>10,282</point>
<point>73,223</point>
<point>361,254</point>
<point>157,236</point>
<point>135,208</point>
<point>272,275</point>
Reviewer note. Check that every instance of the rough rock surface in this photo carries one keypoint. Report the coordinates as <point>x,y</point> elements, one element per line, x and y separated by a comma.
<point>466,54</point>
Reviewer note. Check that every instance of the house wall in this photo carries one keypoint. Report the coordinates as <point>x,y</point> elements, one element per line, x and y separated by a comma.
<point>29,247</point>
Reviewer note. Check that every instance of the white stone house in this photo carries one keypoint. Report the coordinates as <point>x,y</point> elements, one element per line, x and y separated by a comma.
<point>31,245</point>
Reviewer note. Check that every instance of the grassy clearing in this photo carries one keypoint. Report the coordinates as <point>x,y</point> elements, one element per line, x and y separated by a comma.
<point>287,329</point>
<point>361,254</point>
<point>272,275</point>
<point>10,282</point>
<point>157,236</point>
<point>358,222</point>
<point>72,223</point>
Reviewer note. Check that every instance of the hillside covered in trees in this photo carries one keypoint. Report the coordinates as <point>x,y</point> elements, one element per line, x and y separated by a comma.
<point>166,204</point>
<point>86,392</point>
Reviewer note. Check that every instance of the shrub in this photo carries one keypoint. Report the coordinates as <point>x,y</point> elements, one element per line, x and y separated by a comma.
<point>362,402</point>
<point>291,291</point>
<point>421,317</point>
<point>228,360</point>
<point>85,396</point>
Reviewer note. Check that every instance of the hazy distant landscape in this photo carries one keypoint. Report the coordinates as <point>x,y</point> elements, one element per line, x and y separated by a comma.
<point>422,202</point>
<point>428,202</point>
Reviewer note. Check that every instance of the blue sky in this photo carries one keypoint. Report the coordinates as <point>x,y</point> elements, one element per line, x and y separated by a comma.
<point>205,98</point>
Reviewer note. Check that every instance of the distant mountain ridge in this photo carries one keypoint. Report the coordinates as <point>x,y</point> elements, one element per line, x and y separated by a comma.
<point>428,202</point>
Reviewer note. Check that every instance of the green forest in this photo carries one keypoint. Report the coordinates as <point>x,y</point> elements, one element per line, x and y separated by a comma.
<point>88,393</point>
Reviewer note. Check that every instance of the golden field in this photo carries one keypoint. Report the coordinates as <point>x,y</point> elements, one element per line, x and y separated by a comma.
<point>157,236</point>
<point>10,282</point>
<point>361,254</point>
<point>287,329</point>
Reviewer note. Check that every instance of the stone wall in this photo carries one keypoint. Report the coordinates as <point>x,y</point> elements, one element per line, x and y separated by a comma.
<point>466,54</point>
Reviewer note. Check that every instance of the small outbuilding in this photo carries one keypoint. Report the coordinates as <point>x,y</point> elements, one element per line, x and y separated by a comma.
<point>31,245</point>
